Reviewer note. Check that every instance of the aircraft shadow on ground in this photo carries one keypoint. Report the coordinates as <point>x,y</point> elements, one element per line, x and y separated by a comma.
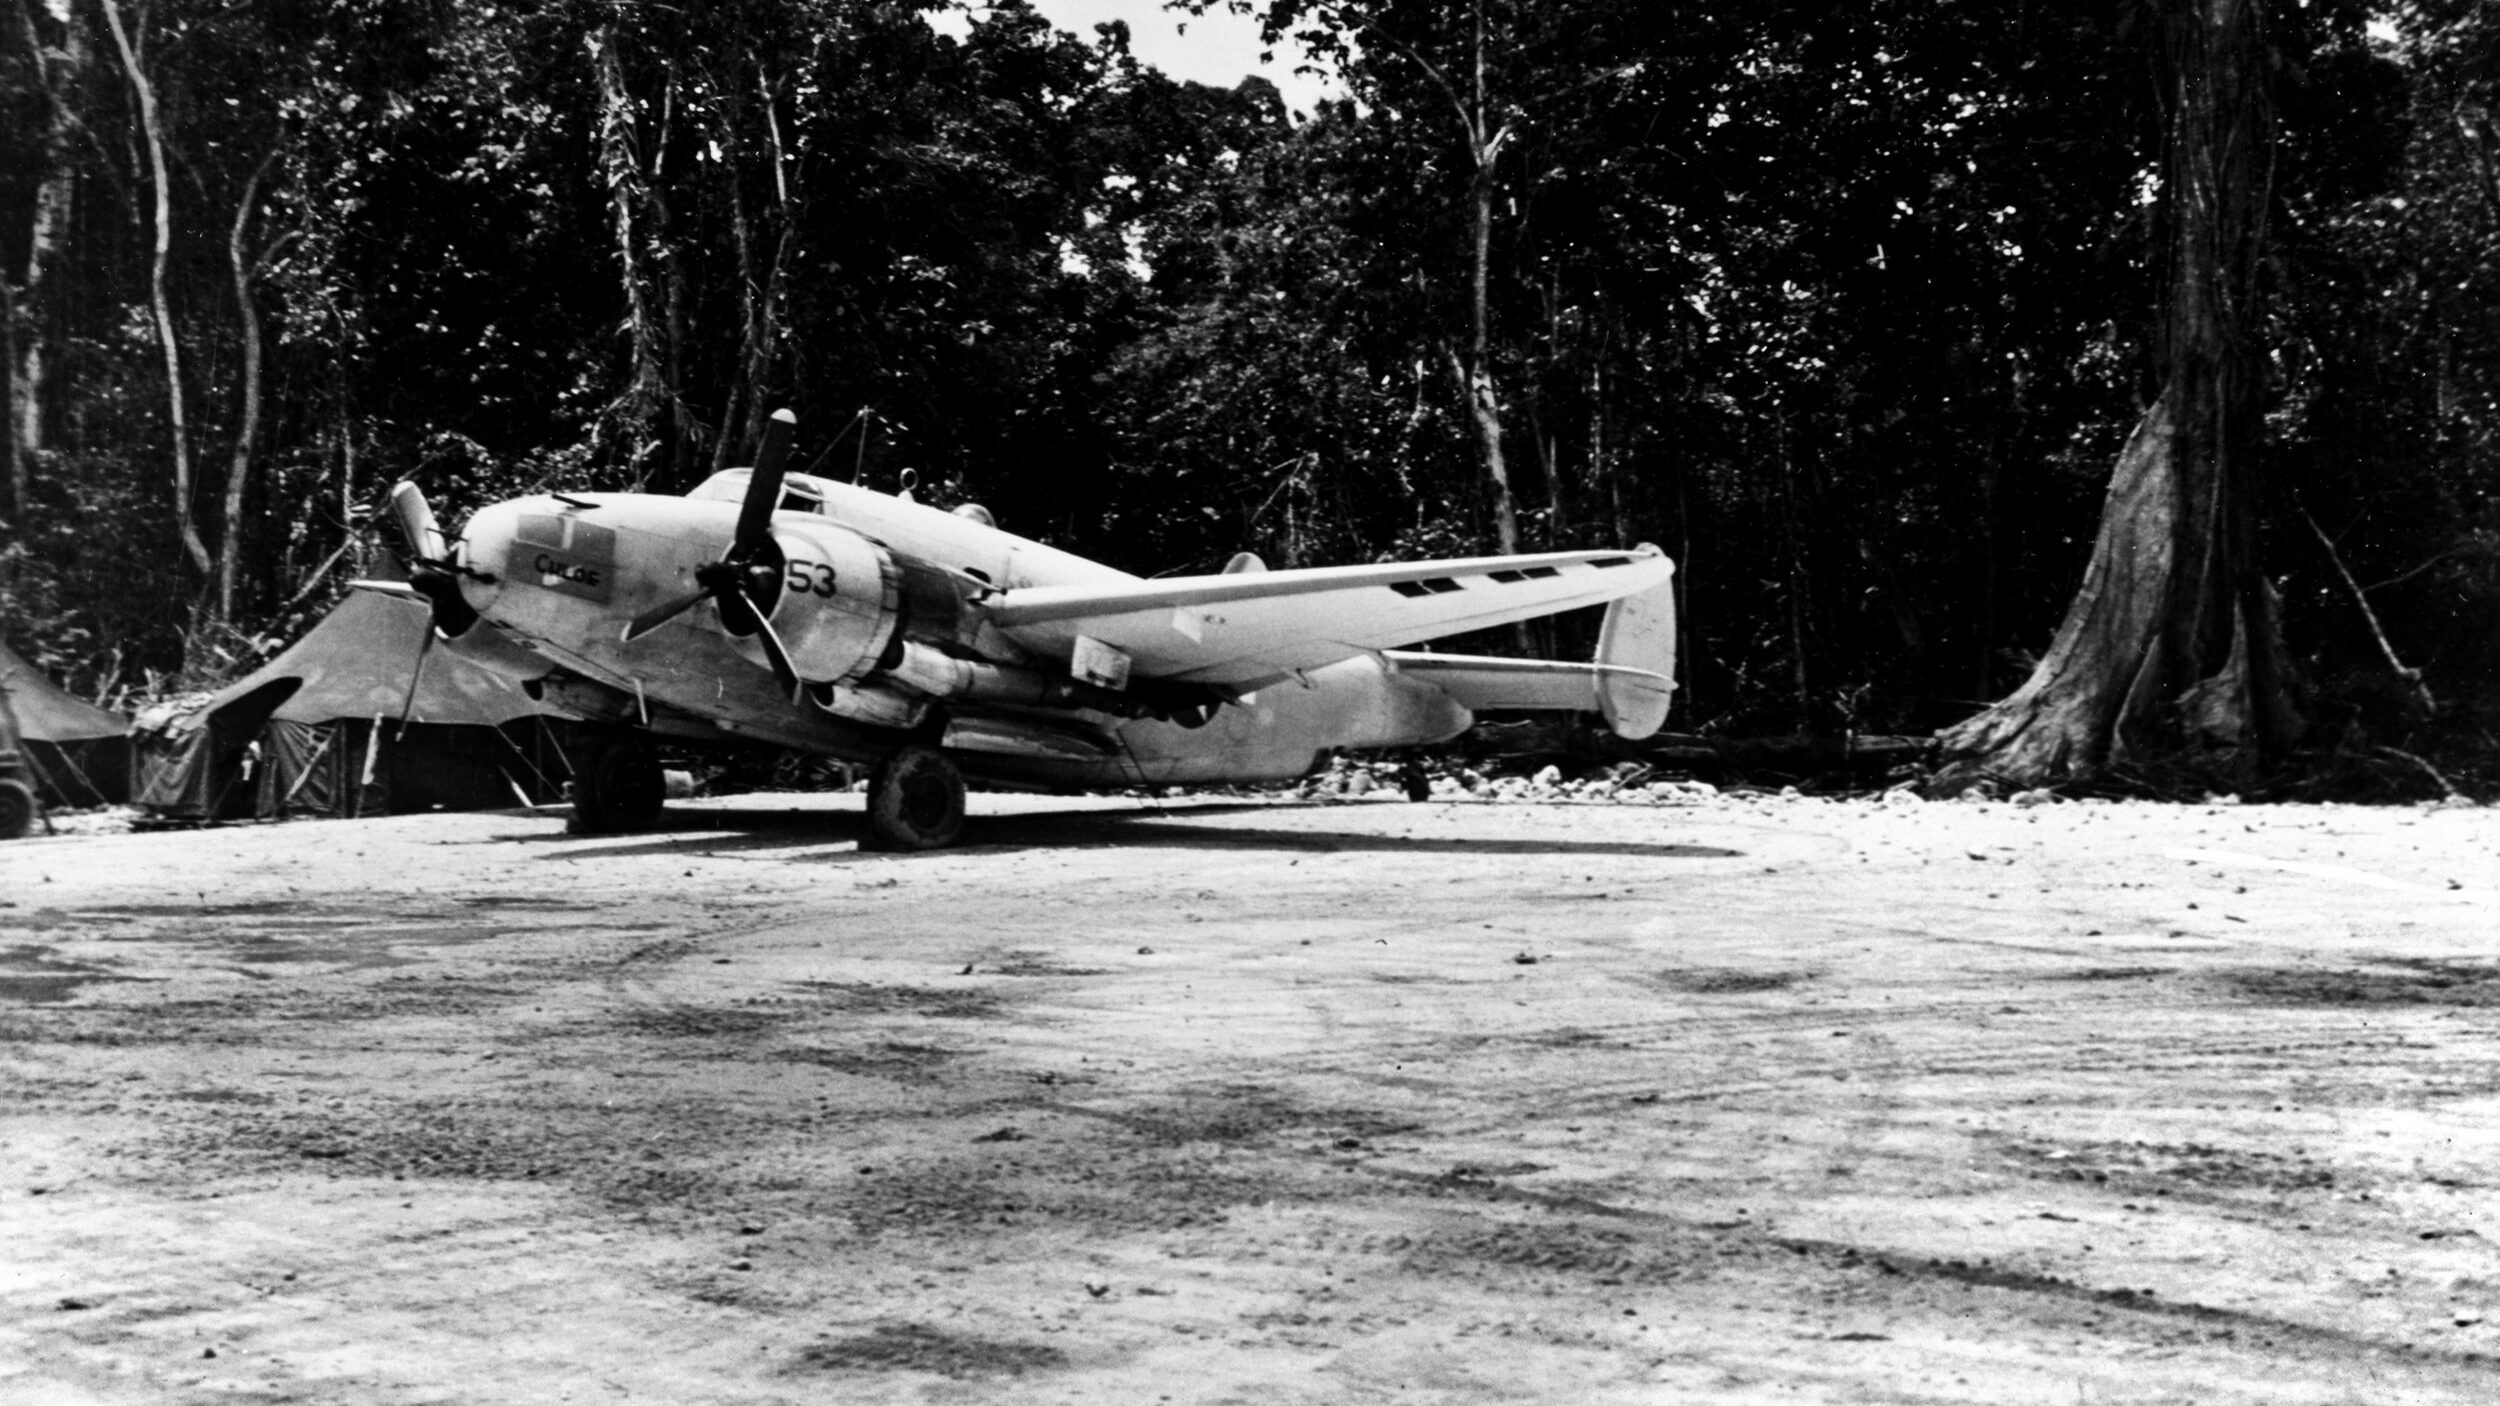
<point>763,831</point>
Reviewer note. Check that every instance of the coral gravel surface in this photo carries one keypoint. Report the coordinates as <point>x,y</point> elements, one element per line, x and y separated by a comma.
<point>1645,1096</point>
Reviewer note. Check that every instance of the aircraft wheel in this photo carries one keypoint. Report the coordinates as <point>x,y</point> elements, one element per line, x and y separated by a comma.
<point>915,800</point>
<point>17,808</point>
<point>618,790</point>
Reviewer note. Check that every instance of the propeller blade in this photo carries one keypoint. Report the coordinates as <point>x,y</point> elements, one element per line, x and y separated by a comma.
<point>657,616</point>
<point>416,675</point>
<point>777,656</point>
<point>416,523</point>
<point>755,513</point>
<point>431,572</point>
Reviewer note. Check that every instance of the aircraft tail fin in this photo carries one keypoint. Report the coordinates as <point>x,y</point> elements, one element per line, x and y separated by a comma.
<point>1631,682</point>
<point>1636,660</point>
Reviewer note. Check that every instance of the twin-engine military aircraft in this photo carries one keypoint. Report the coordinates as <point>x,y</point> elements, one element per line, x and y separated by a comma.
<point>929,646</point>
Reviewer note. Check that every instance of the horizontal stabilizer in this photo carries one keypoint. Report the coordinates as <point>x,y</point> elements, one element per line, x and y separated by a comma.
<point>1482,684</point>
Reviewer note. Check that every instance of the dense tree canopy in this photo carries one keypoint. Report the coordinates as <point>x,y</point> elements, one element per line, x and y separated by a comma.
<point>1849,307</point>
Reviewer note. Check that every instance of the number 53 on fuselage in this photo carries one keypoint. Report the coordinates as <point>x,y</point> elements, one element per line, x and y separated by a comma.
<point>930,646</point>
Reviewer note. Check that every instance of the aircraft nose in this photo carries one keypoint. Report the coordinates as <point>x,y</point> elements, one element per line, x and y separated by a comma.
<point>486,550</point>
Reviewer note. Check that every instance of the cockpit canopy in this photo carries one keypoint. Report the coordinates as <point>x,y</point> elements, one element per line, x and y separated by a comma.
<point>799,493</point>
<point>803,493</point>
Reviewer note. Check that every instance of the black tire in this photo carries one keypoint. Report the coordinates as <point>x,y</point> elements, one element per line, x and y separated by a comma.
<point>17,808</point>
<point>915,801</point>
<point>619,790</point>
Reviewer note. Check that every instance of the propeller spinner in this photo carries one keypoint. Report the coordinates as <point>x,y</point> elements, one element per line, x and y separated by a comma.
<point>746,580</point>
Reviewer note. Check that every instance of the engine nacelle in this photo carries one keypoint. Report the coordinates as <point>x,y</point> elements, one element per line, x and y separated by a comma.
<point>837,607</point>
<point>927,671</point>
<point>877,707</point>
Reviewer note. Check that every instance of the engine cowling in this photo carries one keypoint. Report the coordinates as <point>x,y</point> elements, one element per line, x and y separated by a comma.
<point>837,604</point>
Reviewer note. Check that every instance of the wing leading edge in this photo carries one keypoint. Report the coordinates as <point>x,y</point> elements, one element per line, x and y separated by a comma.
<point>1248,628</point>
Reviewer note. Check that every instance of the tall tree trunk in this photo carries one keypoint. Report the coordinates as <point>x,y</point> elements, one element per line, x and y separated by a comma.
<point>683,431</point>
<point>239,466</point>
<point>742,243</point>
<point>2171,647</point>
<point>1484,411</point>
<point>59,70</point>
<point>764,329</point>
<point>19,454</point>
<point>1602,475</point>
<point>1484,403</point>
<point>1473,364</point>
<point>1557,483</point>
<point>638,405</point>
<point>759,292</point>
<point>1543,435</point>
<point>763,341</point>
<point>1800,583</point>
<point>152,131</point>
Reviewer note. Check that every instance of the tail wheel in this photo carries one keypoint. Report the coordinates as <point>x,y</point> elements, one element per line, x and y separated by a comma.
<point>17,808</point>
<point>916,800</point>
<point>618,790</point>
<point>1416,782</point>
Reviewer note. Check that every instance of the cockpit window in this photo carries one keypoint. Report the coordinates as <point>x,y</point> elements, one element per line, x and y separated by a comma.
<point>798,495</point>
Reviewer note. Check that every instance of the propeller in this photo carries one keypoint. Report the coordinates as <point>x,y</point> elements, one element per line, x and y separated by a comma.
<point>433,574</point>
<point>416,676</point>
<point>743,583</point>
<point>432,571</point>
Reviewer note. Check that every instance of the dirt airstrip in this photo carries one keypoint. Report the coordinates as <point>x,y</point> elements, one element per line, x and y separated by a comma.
<point>1730,1099</point>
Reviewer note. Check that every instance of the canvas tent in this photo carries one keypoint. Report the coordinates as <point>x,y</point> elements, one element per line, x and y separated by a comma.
<point>80,752</point>
<point>332,727</point>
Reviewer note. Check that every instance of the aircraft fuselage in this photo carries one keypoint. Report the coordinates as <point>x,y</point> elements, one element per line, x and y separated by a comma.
<point>855,576</point>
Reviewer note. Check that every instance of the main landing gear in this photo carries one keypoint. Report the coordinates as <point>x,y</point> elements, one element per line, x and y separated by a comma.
<point>618,790</point>
<point>915,800</point>
<point>915,796</point>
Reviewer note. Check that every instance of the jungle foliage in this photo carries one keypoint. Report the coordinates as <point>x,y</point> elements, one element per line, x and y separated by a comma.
<point>1852,308</point>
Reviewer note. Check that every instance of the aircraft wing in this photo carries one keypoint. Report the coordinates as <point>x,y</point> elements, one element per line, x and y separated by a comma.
<point>1245,629</point>
<point>1484,684</point>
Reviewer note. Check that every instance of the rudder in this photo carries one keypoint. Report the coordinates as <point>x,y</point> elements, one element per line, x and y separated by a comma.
<point>1639,633</point>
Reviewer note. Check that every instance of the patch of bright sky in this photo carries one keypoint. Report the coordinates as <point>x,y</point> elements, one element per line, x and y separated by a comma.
<point>1218,47</point>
